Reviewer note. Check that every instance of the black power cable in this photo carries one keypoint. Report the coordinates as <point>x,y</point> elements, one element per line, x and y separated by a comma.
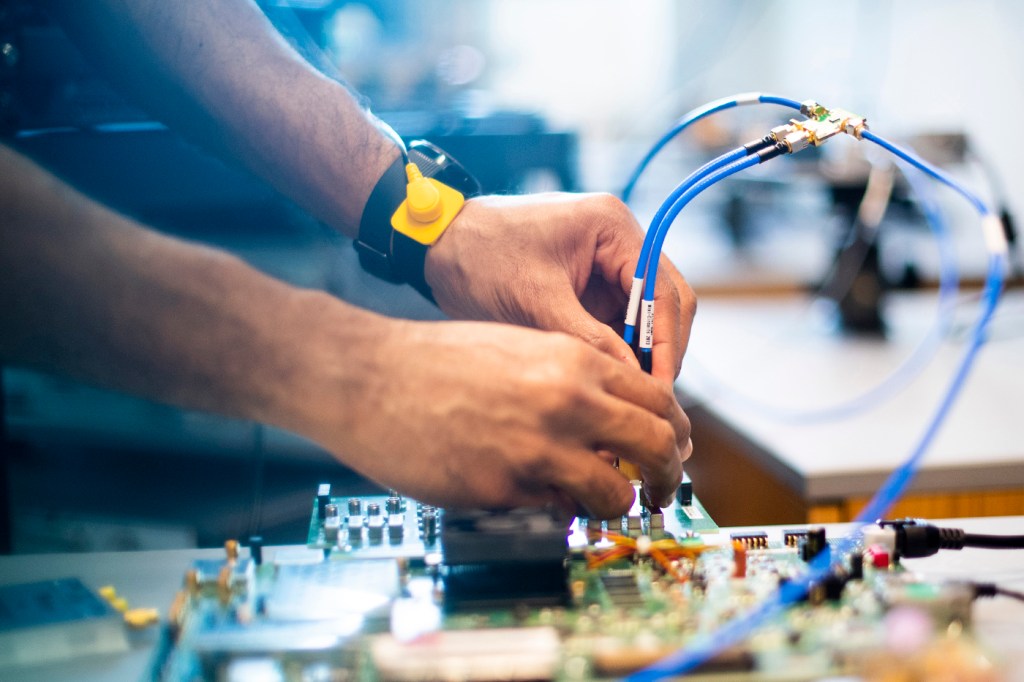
<point>994,541</point>
<point>915,539</point>
<point>993,590</point>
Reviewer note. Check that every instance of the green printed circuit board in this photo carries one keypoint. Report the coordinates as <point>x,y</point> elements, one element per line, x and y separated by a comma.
<point>390,589</point>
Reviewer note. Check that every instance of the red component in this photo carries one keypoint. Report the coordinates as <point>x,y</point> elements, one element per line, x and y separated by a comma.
<point>878,556</point>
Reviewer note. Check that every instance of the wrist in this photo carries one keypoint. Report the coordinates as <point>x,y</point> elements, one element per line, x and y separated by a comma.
<point>446,261</point>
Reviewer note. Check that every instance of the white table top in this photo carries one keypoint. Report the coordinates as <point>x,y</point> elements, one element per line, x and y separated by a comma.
<point>780,353</point>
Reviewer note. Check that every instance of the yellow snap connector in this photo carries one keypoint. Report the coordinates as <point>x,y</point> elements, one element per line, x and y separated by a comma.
<point>139,619</point>
<point>424,200</point>
<point>429,207</point>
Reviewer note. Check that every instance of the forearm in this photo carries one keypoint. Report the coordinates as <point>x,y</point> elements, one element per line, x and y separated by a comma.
<point>87,293</point>
<point>220,73</point>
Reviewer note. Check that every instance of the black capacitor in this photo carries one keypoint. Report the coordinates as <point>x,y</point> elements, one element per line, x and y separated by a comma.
<point>256,549</point>
<point>856,566</point>
<point>684,493</point>
<point>330,510</point>
<point>834,585</point>
<point>323,498</point>
<point>373,509</point>
<point>355,507</point>
<point>429,525</point>
<point>394,505</point>
<point>814,544</point>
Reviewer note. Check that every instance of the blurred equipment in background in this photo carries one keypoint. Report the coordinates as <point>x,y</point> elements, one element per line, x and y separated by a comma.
<point>856,282</point>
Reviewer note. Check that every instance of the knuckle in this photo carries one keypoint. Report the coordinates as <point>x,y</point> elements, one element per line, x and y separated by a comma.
<point>664,440</point>
<point>688,302</point>
<point>684,426</point>
<point>687,450</point>
<point>532,465</point>
<point>607,203</point>
<point>611,210</point>
<point>664,402</point>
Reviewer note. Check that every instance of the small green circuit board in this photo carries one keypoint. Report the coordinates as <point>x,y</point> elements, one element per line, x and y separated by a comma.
<point>384,540</point>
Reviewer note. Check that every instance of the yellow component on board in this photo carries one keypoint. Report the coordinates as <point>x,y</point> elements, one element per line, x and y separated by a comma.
<point>141,618</point>
<point>429,207</point>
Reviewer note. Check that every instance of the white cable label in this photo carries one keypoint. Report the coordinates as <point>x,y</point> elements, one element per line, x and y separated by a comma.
<point>995,235</point>
<point>748,98</point>
<point>635,292</point>
<point>647,323</point>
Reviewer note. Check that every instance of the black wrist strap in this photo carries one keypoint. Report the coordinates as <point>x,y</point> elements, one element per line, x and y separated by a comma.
<point>386,252</point>
<point>409,257</point>
<point>374,241</point>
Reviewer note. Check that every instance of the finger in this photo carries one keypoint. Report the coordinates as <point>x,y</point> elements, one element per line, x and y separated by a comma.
<point>649,394</point>
<point>675,307</point>
<point>648,428</point>
<point>687,450</point>
<point>564,502</point>
<point>674,301</point>
<point>635,434</point>
<point>669,495</point>
<point>564,313</point>
<point>594,484</point>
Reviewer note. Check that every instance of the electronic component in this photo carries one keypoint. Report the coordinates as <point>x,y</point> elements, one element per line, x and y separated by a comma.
<point>471,655</point>
<point>506,558</point>
<point>684,493</point>
<point>793,537</point>
<point>739,559</point>
<point>323,497</point>
<point>751,540</point>
<point>622,589</point>
<point>813,544</point>
<point>256,549</point>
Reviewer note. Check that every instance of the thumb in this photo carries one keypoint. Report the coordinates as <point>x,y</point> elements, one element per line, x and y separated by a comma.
<point>565,314</point>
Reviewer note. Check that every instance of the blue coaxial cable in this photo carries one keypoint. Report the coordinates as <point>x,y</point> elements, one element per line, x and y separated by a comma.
<point>645,249</point>
<point>691,117</point>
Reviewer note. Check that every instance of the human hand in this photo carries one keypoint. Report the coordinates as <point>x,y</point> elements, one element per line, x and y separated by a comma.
<point>488,415</point>
<point>558,262</point>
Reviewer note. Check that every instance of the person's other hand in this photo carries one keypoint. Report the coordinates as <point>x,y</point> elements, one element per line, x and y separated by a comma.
<point>491,415</point>
<point>558,262</point>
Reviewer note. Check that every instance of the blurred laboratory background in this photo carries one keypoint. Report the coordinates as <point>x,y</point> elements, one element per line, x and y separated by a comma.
<point>530,95</point>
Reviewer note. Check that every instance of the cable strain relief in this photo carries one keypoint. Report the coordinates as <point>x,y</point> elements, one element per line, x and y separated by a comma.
<point>646,360</point>
<point>986,590</point>
<point>755,146</point>
<point>951,538</point>
<point>777,149</point>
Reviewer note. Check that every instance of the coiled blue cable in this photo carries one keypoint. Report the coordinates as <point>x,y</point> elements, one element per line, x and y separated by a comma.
<point>915,362</point>
<point>896,484</point>
<point>691,117</point>
<point>740,628</point>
